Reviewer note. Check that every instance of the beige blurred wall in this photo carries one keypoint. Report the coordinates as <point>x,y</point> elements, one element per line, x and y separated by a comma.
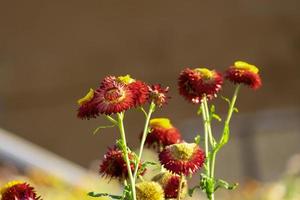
<point>52,52</point>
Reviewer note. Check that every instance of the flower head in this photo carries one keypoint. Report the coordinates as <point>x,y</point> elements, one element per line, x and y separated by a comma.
<point>17,190</point>
<point>114,165</point>
<point>194,84</point>
<point>158,94</point>
<point>162,133</point>
<point>87,107</point>
<point>182,158</point>
<point>170,183</point>
<point>149,191</point>
<point>244,73</point>
<point>113,96</point>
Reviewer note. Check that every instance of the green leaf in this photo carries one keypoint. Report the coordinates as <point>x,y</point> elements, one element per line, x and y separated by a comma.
<point>93,194</point>
<point>191,190</point>
<point>103,127</point>
<point>197,139</point>
<point>223,184</point>
<point>226,99</point>
<point>199,111</point>
<point>217,117</point>
<point>235,110</point>
<point>143,110</point>
<point>213,109</point>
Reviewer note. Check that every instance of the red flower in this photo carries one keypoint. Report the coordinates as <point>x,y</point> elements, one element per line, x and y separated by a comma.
<point>18,191</point>
<point>140,92</point>
<point>113,96</point>
<point>162,133</point>
<point>195,83</point>
<point>183,158</point>
<point>88,108</point>
<point>244,73</point>
<point>158,94</point>
<point>114,165</point>
<point>170,183</point>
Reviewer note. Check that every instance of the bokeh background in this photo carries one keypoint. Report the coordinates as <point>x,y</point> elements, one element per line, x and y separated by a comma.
<point>52,52</point>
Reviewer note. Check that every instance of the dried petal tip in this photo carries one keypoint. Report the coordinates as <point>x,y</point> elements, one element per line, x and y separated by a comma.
<point>194,84</point>
<point>149,191</point>
<point>162,133</point>
<point>182,158</point>
<point>114,165</point>
<point>158,95</point>
<point>87,107</point>
<point>244,73</point>
<point>170,183</point>
<point>18,190</point>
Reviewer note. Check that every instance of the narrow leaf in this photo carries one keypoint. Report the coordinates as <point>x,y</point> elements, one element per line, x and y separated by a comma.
<point>226,99</point>
<point>197,139</point>
<point>93,194</point>
<point>217,117</point>
<point>103,127</point>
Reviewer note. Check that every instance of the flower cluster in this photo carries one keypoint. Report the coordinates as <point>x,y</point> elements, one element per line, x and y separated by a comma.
<point>18,190</point>
<point>118,94</point>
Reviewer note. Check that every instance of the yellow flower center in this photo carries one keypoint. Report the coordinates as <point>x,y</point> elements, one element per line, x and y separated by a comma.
<point>183,151</point>
<point>9,185</point>
<point>205,73</point>
<point>125,79</point>
<point>161,122</point>
<point>246,66</point>
<point>149,191</point>
<point>88,97</point>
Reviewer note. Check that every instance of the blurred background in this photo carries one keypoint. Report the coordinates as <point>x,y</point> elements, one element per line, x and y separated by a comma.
<point>52,52</point>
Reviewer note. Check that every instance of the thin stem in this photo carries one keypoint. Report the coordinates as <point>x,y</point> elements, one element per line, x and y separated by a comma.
<point>232,103</point>
<point>180,187</point>
<point>144,136</point>
<point>125,151</point>
<point>205,120</point>
<point>211,138</point>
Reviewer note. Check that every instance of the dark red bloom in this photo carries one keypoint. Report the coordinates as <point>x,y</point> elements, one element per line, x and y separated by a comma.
<point>88,108</point>
<point>114,165</point>
<point>159,95</point>
<point>183,158</point>
<point>170,183</point>
<point>244,73</point>
<point>18,191</point>
<point>162,133</point>
<point>195,83</point>
<point>113,96</point>
<point>140,92</point>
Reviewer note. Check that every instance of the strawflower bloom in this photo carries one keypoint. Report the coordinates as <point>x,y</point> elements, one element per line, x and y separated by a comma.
<point>17,190</point>
<point>170,183</point>
<point>162,133</point>
<point>139,89</point>
<point>183,158</point>
<point>194,84</point>
<point>113,96</point>
<point>244,73</point>
<point>87,106</point>
<point>114,165</point>
<point>149,191</point>
<point>158,94</point>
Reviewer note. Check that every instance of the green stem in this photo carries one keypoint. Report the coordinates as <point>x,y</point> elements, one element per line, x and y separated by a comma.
<point>125,151</point>
<point>144,137</point>
<point>205,120</point>
<point>231,106</point>
<point>208,117</point>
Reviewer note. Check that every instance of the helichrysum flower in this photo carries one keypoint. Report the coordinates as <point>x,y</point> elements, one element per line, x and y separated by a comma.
<point>194,84</point>
<point>244,73</point>
<point>170,183</point>
<point>17,190</point>
<point>182,158</point>
<point>114,165</point>
<point>149,191</point>
<point>87,106</point>
<point>158,95</point>
<point>162,133</point>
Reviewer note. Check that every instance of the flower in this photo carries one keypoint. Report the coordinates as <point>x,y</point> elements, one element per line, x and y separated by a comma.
<point>114,165</point>
<point>194,84</point>
<point>139,89</point>
<point>88,108</point>
<point>162,133</point>
<point>182,158</point>
<point>158,94</point>
<point>170,183</point>
<point>244,73</point>
<point>113,96</point>
<point>17,190</point>
<point>149,191</point>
